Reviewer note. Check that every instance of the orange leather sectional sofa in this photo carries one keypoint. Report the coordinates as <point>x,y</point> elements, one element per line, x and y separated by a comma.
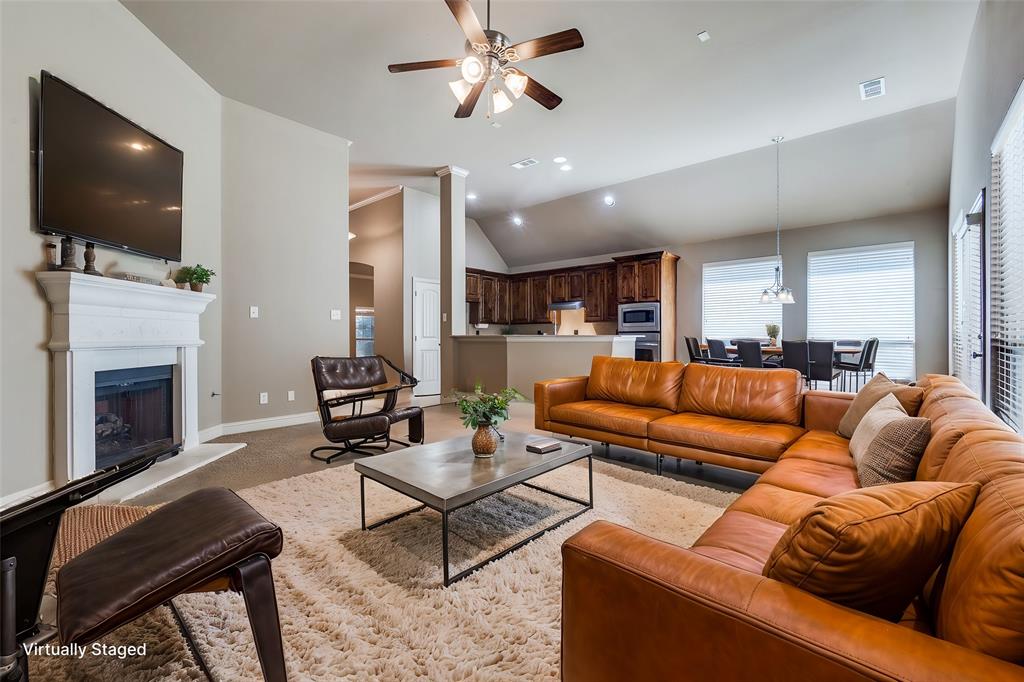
<point>634,607</point>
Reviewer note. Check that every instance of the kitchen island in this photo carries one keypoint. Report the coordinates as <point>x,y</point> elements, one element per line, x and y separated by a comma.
<point>520,360</point>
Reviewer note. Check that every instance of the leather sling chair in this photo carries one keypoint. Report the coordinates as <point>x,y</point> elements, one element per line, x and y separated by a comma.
<point>208,540</point>
<point>351,382</point>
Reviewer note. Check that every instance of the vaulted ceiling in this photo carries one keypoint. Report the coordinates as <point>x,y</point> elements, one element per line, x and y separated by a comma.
<point>642,97</point>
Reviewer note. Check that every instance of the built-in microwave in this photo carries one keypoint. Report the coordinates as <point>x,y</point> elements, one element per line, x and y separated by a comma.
<point>640,317</point>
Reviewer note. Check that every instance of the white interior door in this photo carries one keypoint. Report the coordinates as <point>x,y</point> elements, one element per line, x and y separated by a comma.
<point>426,335</point>
<point>968,321</point>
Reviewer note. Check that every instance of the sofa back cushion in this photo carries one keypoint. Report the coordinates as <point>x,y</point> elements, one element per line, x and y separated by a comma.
<point>758,395</point>
<point>624,380</point>
<point>952,416</point>
<point>880,386</point>
<point>981,602</point>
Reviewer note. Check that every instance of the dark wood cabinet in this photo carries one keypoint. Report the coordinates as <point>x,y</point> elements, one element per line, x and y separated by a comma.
<point>559,287</point>
<point>648,279</point>
<point>472,287</point>
<point>539,298</point>
<point>488,293</point>
<point>594,297</point>
<point>576,285</point>
<point>519,301</point>
<point>501,312</point>
<point>611,295</point>
<point>626,282</point>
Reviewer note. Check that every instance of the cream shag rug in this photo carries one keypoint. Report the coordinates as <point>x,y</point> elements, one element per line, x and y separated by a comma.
<point>369,605</point>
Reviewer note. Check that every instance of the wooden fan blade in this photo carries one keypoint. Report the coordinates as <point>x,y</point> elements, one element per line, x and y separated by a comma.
<point>466,17</point>
<point>419,66</point>
<point>571,39</point>
<point>542,95</point>
<point>466,108</point>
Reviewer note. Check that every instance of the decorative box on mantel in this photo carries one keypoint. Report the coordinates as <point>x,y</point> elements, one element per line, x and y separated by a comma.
<point>100,324</point>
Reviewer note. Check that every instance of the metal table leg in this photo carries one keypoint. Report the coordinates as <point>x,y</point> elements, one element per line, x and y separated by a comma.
<point>444,545</point>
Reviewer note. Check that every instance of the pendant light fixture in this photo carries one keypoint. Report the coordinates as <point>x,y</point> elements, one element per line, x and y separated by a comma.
<point>778,292</point>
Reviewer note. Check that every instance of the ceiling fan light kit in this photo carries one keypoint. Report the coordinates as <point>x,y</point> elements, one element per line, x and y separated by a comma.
<point>488,55</point>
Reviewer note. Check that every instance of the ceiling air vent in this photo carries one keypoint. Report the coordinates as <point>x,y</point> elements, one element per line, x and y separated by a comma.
<point>872,88</point>
<point>525,163</point>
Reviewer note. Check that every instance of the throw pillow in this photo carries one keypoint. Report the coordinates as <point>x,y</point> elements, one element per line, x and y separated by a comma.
<point>873,391</point>
<point>873,549</point>
<point>887,445</point>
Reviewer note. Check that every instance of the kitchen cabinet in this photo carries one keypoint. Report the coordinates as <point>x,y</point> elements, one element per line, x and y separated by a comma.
<point>626,282</point>
<point>611,296</point>
<point>576,285</point>
<point>539,298</point>
<point>501,311</point>
<point>488,292</point>
<point>559,287</point>
<point>648,277</point>
<point>519,301</point>
<point>594,297</point>
<point>472,287</point>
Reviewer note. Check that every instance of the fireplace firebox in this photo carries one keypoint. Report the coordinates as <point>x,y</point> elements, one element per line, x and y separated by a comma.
<point>134,412</point>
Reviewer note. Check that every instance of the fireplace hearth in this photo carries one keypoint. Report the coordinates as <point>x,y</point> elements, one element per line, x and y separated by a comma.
<point>134,412</point>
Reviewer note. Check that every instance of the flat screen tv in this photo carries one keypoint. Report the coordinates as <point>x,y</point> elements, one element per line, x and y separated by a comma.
<point>103,179</point>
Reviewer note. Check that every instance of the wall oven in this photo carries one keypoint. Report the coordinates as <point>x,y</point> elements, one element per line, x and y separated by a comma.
<point>648,347</point>
<point>639,317</point>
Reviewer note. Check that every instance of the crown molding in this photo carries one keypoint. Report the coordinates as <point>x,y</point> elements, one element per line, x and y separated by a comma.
<point>451,170</point>
<point>376,197</point>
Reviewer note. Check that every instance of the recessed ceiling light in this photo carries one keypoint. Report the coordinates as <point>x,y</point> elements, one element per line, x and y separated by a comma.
<point>471,196</point>
<point>565,167</point>
<point>559,159</point>
<point>517,220</point>
<point>704,36</point>
<point>351,236</point>
<point>609,200</point>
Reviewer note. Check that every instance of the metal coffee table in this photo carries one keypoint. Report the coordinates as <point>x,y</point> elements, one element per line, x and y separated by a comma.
<point>445,476</point>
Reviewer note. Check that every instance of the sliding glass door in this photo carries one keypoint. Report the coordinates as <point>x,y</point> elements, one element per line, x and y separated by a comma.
<point>968,298</point>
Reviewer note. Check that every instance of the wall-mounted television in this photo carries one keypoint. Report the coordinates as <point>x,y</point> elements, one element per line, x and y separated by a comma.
<point>104,179</point>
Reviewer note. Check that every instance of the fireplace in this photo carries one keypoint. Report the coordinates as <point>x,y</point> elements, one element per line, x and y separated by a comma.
<point>134,412</point>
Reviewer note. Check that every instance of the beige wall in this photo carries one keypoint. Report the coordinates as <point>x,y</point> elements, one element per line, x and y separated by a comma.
<point>360,295</point>
<point>378,242</point>
<point>101,48</point>
<point>421,254</point>
<point>285,213</point>
<point>480,252</point>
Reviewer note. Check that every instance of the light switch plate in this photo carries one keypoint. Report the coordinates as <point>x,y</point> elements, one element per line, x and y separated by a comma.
<point>264,398</point>
<point>291,396</point>
<point>254,312</point>
<point>335,314</point>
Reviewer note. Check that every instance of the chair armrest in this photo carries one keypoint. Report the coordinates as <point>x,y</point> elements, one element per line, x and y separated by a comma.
<point>823,410</point>
<point>637,608</point>
<point>547,394</point>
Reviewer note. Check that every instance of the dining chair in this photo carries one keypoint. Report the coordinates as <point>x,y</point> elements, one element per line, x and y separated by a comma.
<point>698,356</point>
<point>795,356</point>
<point>862,364</point>
<point>717,351</point>
<point>750,355</point>
<point>848,343</point>
<point>820,362</point>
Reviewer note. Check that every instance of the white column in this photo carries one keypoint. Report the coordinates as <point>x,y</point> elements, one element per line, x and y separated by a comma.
<point>453,268</point>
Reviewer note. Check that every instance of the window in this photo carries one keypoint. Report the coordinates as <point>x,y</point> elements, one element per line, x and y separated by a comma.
<point>865,292</point>
<point>1006,285</point>
<point>731,305</point>
<point>968,300</point>
<point>364,332</point>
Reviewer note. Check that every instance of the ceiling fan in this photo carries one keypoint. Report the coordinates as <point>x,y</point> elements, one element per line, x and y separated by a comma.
<point>490,59</point>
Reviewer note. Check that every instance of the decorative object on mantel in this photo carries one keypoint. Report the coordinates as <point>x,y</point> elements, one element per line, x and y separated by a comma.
<point>772,330</point>
<point>67,255</point>
<point>199,276</point>
<point>90,260</point>
<point>487,64</point>
<point>138,279</point>
<point>182,276</point>
<point>483,412</point>
<point>51,255</point>
<point>778,292</point>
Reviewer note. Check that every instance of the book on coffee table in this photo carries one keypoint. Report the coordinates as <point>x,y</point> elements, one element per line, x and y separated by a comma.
<point>544,445</point>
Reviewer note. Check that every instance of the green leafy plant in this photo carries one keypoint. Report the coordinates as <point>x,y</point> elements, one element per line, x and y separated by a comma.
<point>183,275</point>
<point>773,330</point>
<point>487,409</point>
<point>200,275</point>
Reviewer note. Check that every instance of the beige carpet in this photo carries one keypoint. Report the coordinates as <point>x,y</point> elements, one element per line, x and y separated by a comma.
<point>368,605</point>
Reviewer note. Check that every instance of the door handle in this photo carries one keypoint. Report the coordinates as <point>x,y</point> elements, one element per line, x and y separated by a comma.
<point>975,355</point>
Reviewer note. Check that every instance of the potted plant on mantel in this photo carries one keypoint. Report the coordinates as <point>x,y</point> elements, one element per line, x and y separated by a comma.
<point>773,333</point>
<point>200,276</point>
<point>483,412</point>
<point>182,276</point>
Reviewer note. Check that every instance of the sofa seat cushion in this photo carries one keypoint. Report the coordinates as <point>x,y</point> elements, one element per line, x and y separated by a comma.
<point>774,503</point>
<point>822,446</point>
<point>735,436</point>
<point>604,415</point>
<point>810,477</point>
<point>740,539</point>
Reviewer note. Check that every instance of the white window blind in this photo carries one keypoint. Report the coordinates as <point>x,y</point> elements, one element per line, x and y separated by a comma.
<point>1006,293</point>
<point>731,295</point>
<point>865,292</point>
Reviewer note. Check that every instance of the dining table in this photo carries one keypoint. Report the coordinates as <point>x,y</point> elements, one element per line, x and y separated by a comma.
<point>768,351</point>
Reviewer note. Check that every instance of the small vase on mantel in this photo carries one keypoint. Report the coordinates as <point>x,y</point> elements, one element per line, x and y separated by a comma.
<point>484,442</point>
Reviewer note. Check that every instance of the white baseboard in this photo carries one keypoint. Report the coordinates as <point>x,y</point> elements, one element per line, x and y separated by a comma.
<point>231,428</point>
<point>28,493</point>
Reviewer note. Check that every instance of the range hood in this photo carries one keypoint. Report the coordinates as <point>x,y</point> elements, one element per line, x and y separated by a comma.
<point>566,305</point>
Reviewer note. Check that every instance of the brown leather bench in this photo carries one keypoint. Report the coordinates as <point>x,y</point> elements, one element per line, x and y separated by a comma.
<point>209,540</point>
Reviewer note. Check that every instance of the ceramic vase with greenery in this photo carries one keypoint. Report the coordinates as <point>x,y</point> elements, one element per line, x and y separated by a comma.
<point>483,412</point>
<point>199,276</point>
<point>773,333</point>
<point>182,276</point>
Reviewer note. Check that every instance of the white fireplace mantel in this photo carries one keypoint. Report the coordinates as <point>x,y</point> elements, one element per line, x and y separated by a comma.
<point>99,324</point>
